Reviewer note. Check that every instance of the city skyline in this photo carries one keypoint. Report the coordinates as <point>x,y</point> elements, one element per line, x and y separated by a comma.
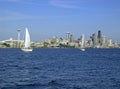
<point>46,18</point>
<point>96,40</point>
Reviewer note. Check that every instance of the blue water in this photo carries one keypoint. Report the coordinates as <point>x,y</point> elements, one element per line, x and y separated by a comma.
<point>60,69</point>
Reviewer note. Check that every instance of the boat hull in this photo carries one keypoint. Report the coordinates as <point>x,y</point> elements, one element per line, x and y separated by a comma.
<point>27,50</point>
<point>82,49</point>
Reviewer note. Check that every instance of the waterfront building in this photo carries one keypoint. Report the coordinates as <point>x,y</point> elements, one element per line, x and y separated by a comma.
<point>68,36</point>
<point>110,43</point>
<point>116,44</point>
<point>11,43</point>
<point>77,43</point>
<point>94,39</point>
<point>89,43</point>
<point>71,38</point>
<point>38,44</point>
<point>104,42</point>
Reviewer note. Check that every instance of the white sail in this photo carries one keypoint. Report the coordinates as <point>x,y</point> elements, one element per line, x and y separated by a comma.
<point>27,38</point>
<point>27,41</point>
<point>83,43</point>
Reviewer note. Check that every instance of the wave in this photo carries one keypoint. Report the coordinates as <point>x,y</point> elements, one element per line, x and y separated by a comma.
<point>53,84</point>
<point>22,86</point>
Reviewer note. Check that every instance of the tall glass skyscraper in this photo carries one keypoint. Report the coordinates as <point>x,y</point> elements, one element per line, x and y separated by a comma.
<point>99,38</point>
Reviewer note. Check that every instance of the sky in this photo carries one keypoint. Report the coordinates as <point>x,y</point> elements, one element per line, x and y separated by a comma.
<point>48,18</point>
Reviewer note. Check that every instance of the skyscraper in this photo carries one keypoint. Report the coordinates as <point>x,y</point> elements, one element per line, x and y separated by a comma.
<point>68,36</point>
<point>99,38</point>
<point>103,41</point>
<point>94,39</point>
<point>71,38</point>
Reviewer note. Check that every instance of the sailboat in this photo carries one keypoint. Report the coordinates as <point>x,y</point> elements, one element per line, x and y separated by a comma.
<point>26,47</point>
<point>83,43</point>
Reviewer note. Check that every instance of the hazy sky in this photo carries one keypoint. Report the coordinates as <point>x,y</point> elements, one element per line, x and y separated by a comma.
<point>47,18</point>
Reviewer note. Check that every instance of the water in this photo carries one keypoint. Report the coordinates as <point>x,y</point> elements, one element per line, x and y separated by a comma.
<point>60,69</point>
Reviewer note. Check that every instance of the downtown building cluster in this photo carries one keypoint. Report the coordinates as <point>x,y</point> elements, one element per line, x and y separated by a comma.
<point>96,40</point>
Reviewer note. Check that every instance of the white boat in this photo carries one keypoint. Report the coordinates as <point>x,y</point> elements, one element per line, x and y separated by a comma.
<point>82,49</point>
<point>26,47</point>
<point>83,43</point>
